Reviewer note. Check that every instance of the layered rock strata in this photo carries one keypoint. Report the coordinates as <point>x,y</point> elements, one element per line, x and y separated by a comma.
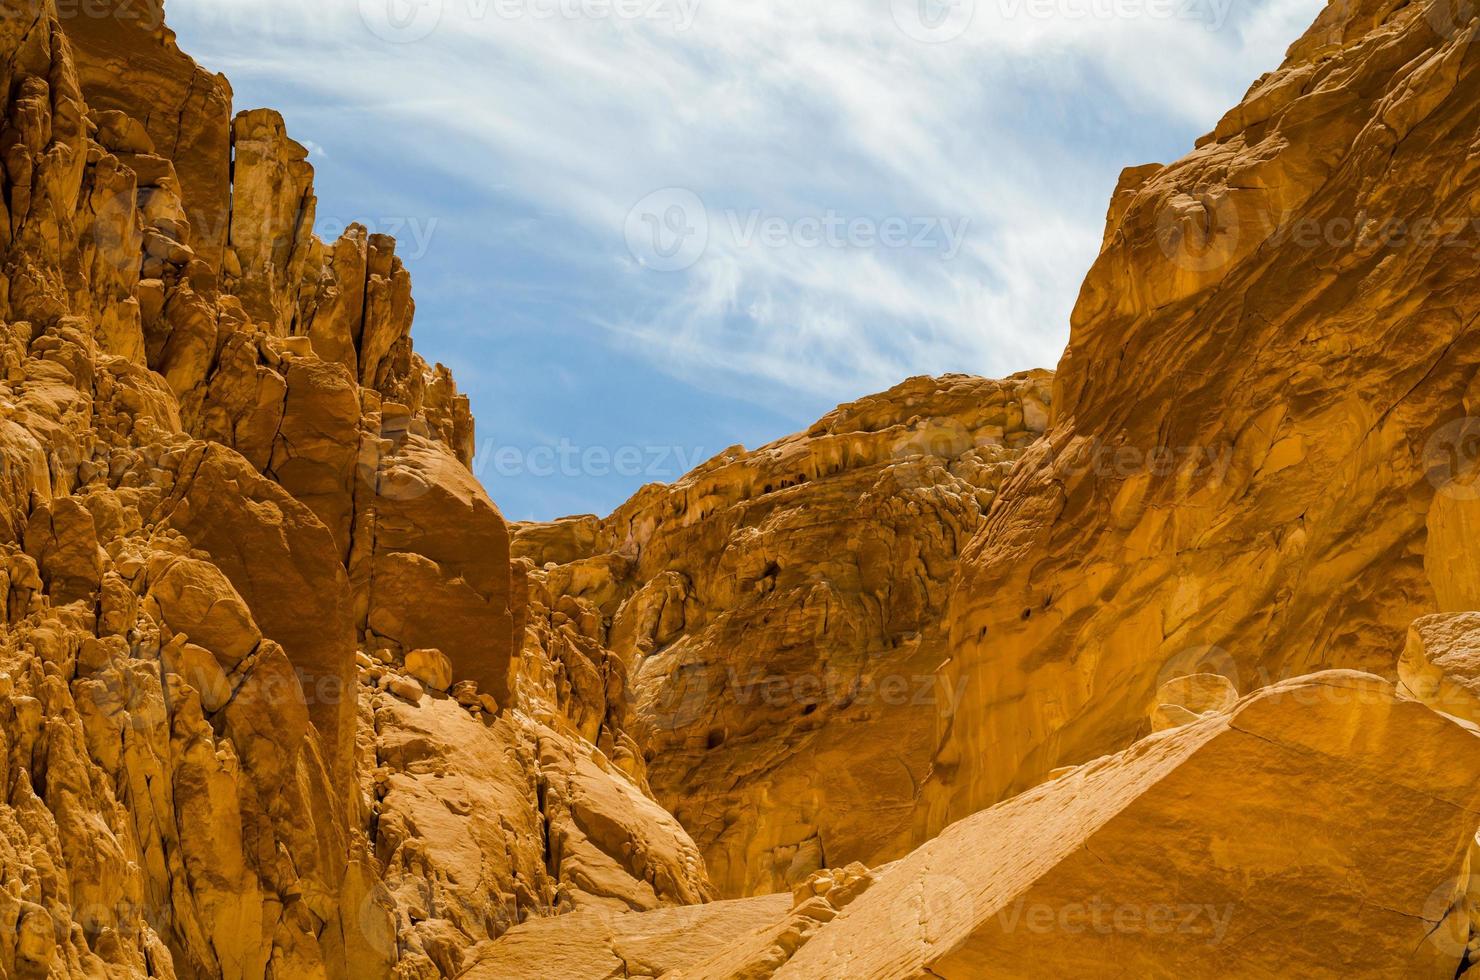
<point>1179,857</point>
<point>1260,461</point>
<point>761,639</point>
<point>982,678</point>
<point>236,526</point>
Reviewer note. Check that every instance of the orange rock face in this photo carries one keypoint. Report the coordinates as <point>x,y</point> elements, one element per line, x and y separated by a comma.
<point>1178,857</point>
<point>1165,664</point>
<point>761,638</point>
<point>256,615</point>
<point>1257,465</point>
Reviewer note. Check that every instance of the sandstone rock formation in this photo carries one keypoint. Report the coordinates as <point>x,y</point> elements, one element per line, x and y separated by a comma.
<point>1178,857</point>
<point>236,525</point>
<point>1440,665</point>
<point>1175,857</point>
<point>1260,459</point>
<point>602,945</point>
<point>483,823</point>
<point>972,678</point>
<point>761,638</point>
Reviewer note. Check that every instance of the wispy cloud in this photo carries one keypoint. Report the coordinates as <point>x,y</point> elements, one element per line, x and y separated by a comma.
<point>998,123</point>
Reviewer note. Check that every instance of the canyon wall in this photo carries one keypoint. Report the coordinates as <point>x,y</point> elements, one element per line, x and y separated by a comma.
<point>761,639</point>
<point>1262,445</point>
<point>1164,663</point>
<point>257,652</point>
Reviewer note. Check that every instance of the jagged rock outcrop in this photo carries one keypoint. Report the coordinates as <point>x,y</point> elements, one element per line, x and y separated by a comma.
<point>485,822</point>
<point>435,573</point>
<point>236,517</point>
<point>1440,665</point>
<point>761,639</point>
<point>1259,463</point>
<point>282,696</point>
<point>153,99</point>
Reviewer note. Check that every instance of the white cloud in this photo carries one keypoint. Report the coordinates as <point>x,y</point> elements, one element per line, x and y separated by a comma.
<point>790,111</point>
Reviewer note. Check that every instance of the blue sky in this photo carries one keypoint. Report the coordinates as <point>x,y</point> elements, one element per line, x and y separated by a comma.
<point>642,231</point>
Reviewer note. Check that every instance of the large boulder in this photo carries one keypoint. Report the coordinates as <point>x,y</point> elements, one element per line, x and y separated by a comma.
<point>196,599</point>
<point>1440,665</point>
<point>1321,829</point>
<point>434,572</point>
<point>62,539</point>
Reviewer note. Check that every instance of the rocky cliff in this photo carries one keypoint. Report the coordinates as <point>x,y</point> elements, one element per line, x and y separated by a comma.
<point>760,641</point>
<point>1164,664</point>
<point>257,664</point>
<point>1261,455</point>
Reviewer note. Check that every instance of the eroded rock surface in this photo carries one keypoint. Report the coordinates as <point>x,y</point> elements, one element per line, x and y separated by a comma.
<point>282,696</point>
<point>1259,463</point>
<point>608,946</point>
<point>1440,665</point>
<point>1178,857</point>
<point>761,639</point>
<point>236,526</point>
